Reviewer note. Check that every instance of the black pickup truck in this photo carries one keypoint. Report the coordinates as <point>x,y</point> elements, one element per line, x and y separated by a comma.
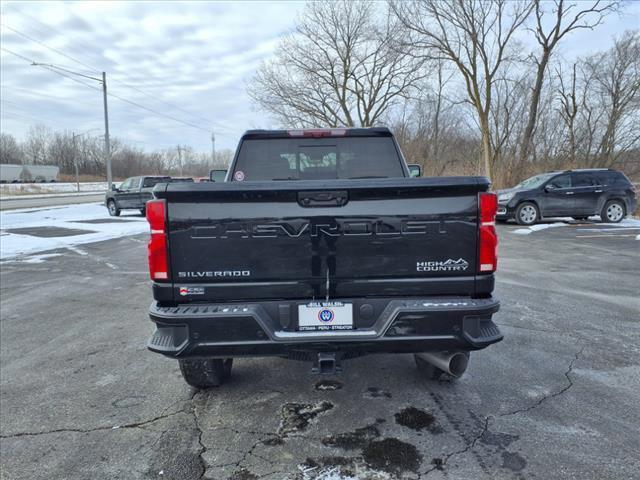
<point>320,247</point>
<point>132,194</point>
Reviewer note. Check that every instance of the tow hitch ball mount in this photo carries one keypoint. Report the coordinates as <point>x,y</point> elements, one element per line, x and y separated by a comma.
<point>326,364</point>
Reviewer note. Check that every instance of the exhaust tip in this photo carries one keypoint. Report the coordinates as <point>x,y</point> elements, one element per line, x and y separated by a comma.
<point>458,364</point>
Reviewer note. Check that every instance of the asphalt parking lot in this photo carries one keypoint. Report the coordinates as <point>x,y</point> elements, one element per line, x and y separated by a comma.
<point>81,397</point>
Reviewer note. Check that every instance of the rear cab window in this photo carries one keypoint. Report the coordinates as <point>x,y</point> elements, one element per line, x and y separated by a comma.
<point>153,181</point>
<point>318,159</point>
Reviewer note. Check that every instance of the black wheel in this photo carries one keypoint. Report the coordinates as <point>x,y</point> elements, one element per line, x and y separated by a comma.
<point>427,370</point>
<point>114,211</point>
<point>206,373</point>
<point>527,213</point>
<point>580,219</point>
<point>613,211</point>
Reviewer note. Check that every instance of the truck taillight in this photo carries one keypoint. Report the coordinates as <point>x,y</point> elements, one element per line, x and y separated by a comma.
<point>158,262</point>
<point>487,236</point>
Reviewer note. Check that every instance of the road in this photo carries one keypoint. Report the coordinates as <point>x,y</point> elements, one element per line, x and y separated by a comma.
<point>81,397</point>
<point>15,202</point>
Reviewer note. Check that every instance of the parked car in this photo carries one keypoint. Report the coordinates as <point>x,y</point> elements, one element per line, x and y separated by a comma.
<point>569,193</point>
<point>320,247</point>
<point>132,194</point>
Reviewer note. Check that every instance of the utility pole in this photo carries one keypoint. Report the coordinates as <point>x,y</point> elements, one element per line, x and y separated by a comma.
<point>107,143</point>
<point>213,149</point>
<point>180,158</point>
<point>75,160</point>
<point>103,81</point>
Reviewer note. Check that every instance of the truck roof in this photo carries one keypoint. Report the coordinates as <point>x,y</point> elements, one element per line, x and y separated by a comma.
<point>318,132</point>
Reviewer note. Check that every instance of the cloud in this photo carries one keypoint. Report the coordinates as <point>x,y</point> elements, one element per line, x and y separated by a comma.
<point>196,56</point>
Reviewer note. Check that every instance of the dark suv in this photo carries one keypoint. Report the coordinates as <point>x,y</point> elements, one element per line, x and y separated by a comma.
<point>570,193</point>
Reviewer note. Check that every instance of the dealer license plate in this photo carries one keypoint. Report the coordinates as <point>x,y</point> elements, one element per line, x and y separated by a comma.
<point>325,316</point>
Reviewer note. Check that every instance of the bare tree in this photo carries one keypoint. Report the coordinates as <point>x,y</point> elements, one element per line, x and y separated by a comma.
<point>569,104</point>
<point>616,81</point>
<point>339,68</point>
<point>10,151</point>
<point>35,145</point>
<point>566,18</point>
<point>473,34</point>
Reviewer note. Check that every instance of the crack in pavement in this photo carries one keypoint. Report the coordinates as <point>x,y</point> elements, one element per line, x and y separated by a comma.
<point>141,424</point>
<point>576,357</point>
<point>488,418</point>
<point>196,421</point>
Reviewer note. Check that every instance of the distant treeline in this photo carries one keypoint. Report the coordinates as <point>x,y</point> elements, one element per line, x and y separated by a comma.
<point>43,146</point>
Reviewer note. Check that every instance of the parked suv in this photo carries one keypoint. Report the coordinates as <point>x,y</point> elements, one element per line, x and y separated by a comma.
<point>570,193</point>
<point>133,194</point>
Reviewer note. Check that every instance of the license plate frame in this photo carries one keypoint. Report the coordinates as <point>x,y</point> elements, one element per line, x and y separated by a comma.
<point>325,316</point>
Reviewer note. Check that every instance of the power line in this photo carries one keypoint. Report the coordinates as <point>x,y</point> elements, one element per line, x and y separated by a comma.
<point>48,67</point>
<point>155,97</point>
<point>24,35</point>
<point>16,54</point>
<point>192,125</point>
<point>48,27</point>
<point>29,92</point>
<point>56,70</point>
<point>150,95</point>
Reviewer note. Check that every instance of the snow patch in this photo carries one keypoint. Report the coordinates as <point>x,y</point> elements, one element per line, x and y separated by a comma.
<point>626,222</point>
<point>69,216</point>
<point>537,228</point>
<point>11,189</point>
<point>39,258</point>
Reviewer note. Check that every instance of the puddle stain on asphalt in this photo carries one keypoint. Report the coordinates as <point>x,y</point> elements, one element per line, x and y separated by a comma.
<point>513,461</point>
<point>501,440</point>
<point>375,392</point>
<point>297,416</point>
<point>359,438</point>
<point>243,474</point>
<point>392,455</point>
<point>324,385</point>
<point>273,441</point>
<point>418,420</point>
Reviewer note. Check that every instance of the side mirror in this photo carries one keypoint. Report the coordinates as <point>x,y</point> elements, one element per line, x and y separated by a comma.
<point>114,188</point>
<point>414,170</point>
<point>549,188</point>
<point>217,175</point>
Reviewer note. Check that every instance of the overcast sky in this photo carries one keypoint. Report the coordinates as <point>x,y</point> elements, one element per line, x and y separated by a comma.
<point>196,56</point>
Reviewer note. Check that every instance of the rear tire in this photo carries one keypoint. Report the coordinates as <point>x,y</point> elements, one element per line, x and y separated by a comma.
<point>114,211</point>
<point>527,213</point>
<point>206,373</point>
<point>613,211</point>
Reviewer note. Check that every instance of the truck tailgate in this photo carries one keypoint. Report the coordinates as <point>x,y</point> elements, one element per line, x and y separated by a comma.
<point>313,239</point>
